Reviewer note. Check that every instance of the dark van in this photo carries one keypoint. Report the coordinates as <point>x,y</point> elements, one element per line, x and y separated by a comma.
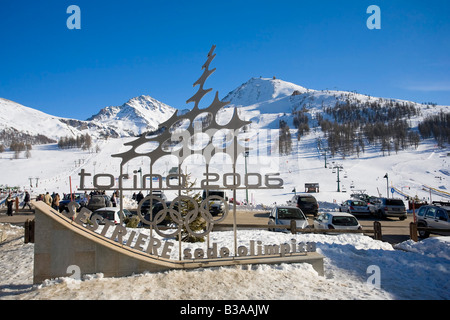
<point>307,203</point>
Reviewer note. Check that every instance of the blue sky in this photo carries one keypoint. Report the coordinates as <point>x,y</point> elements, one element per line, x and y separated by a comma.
<point>128,48</point>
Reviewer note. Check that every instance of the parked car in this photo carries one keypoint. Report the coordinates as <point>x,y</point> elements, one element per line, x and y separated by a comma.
<point>305,202</point>
<point>386,207</point>
<point>282,215</point>
<point>337,220</point>
<point>112,214</point>
<point>79,198</point>
<point>159,194</point>
<point>145,206</point>
<point>354,207</point>
<point>98,201</point>
<point>433,216</point>
<point>360,196</point>
<point>158,206</point>
<point>216,206</point>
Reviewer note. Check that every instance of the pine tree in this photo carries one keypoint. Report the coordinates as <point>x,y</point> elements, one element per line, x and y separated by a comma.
<point>285,139</point>
<point>185,206</point>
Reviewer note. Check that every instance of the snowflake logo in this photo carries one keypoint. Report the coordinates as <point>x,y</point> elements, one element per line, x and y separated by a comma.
<point>169,139</point>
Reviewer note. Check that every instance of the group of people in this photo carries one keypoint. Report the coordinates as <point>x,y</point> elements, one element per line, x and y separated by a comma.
<point>114,197</point>
<point>138,197</point>
<point>51,200</point>
<point>11,200</point>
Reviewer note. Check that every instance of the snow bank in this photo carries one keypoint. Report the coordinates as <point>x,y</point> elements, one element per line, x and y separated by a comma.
<point>433,247</point>
<point>422,272</point>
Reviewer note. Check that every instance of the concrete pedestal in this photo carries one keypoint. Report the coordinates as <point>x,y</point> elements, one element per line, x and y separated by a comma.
<point>61,244</point>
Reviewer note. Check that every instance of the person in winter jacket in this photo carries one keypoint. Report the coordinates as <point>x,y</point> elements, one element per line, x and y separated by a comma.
<point>113,199</point>
<point>55,203</point>
<point>26,200</point>
<point>139,197</point>
<point>48,199</point>
<point>9,205</point>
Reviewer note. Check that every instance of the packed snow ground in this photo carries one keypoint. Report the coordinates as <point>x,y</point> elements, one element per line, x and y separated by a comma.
<point>409,271</point>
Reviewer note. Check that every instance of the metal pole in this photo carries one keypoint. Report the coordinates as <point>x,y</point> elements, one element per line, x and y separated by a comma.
<point>387,186</point>
<point>206,196</point>
<point>121,195</point>
<point>246,188</point>
<point>339,188</point>
<point>234,211</point>
<point>70,182</point>
<point>179,211</point>
<point>151,201</point>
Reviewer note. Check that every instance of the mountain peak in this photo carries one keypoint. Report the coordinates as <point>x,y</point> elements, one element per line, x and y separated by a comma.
<point>257,90</point>
<point>136,116</point>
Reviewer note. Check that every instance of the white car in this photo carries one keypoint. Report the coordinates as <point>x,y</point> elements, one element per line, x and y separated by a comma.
<point>111,213</point>
<point>337,220</point>
<point>355,207</point>
<point>282,215</point>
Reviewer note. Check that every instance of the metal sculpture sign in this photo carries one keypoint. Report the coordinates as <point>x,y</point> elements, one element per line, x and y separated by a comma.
<point>170,140</point>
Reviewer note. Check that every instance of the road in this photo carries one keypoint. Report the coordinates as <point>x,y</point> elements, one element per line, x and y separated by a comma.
<point>393,230</point>
<point>17,218</point>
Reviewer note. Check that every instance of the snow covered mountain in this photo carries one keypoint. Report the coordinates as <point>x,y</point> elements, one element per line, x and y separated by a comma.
<point>258,90</point>
<point>136,116</point>
<point>140,114</point>
<point>36,127</point>
<point>265,101</point>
